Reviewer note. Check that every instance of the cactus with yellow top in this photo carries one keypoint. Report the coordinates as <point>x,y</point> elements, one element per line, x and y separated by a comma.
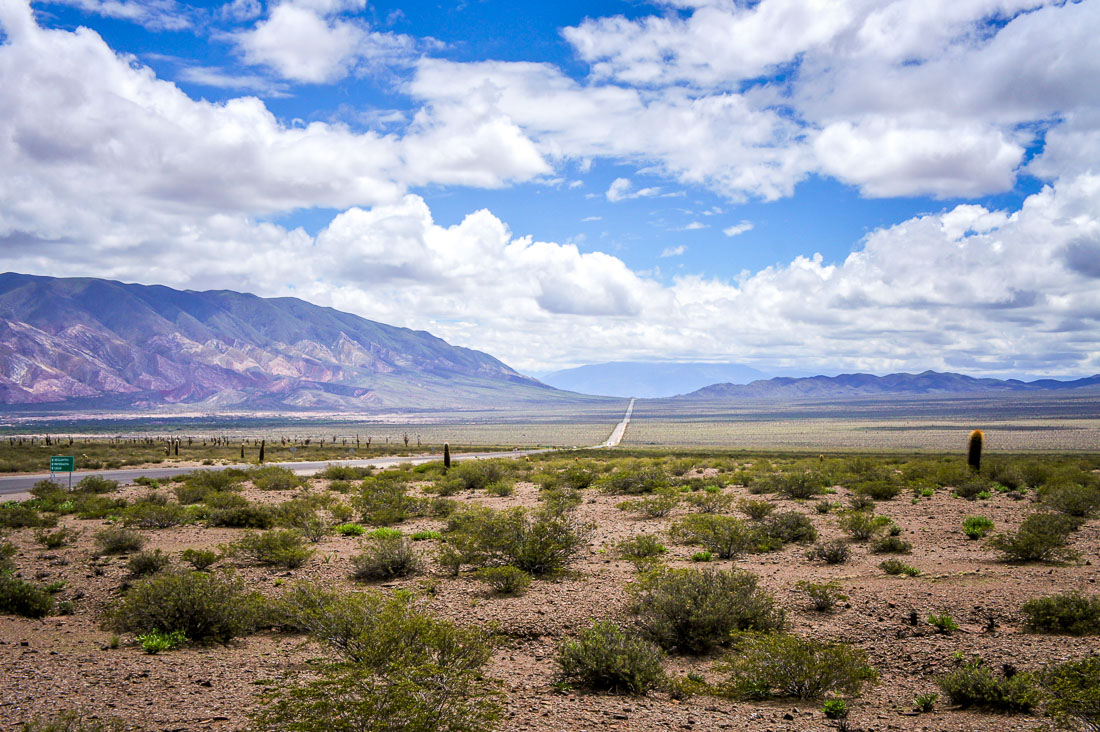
<point>974,450</point>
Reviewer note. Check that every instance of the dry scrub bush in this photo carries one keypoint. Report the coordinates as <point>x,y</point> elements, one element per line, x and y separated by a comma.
<point>538,542</point>
<point>763,666</point>
<point>975,685</point>
<point>385,557</point>
<point>1066,614</point>
<point>1042,537</point>
<point>116,540</point>
<point>204,607</point>
<point>696,610</point>
<point>395,665</point>
<point>278,547</point>
<point>605,658</point>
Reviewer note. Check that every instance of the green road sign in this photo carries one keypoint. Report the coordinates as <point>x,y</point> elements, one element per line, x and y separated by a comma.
<point>62,463</point>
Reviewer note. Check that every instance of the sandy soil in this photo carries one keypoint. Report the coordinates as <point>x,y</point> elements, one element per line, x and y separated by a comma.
<point>65,662</point>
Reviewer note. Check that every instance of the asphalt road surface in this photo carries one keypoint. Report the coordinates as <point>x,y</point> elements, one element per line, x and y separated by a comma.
<point>15,487</point>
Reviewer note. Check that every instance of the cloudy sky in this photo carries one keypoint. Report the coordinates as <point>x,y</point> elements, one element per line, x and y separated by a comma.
<point>816,185</point>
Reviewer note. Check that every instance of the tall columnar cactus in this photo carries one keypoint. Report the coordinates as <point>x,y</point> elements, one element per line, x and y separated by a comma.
<point>974,450</point>
<point>263,444</point>
<point>446,456</point>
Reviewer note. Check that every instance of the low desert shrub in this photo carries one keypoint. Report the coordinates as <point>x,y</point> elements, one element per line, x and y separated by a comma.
<point>925,702</point>
<point>72,721</point>
<point>200,559</point>
<point>203,606</point>
<point>252,516</point>
<point>1072,691</point>
<point>56,539</point>
<point>1042,537</point>
<point>426,535</point>
<point>605,658</point>
<point>975,685</point>
<point>385,502</point>
<point>798,484</point>
<point>756,510</point>
<point>658,505</point>
<point>823,596</point>
<point>385,557</point>
<point>724,536</point>
<point>350,529</point>
<point>538,542</point>
<point>703,556</point>
<point>976,527</point>
<point>696,610</point>
<point>863,525</point>
<point>116,540</point>
<point>154,515</point>
<point>18,516</point>
<point>890,545</point>
<point>835,551</point>
<point>155,641</point>
<point>96,484</point>
<point>277,547</point>
<point>345,472</point>
<point>879,490</point>
<point>708,501</point>
<point>972,486</point>
<point>19,597</point>
<point>763,666</point>
<point>632,481</point>
<point>275,478</point>
<point>789,527</point>
<point>943,622</point>
<point>642,546</point>
<point>505,580</point>
<point>1066,614</point>
<point>1073,499</point>
<point>893,566</point>
<point>148,562</point>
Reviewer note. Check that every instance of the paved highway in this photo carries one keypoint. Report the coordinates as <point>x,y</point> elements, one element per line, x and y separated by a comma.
<point>16,486</point>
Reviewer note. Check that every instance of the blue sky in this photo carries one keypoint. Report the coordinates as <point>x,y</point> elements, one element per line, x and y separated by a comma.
<point>810,185</point>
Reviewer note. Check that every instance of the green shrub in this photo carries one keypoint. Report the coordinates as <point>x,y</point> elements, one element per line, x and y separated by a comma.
<point>148,562</point>
<point>789,526</point>
<point>724,536</point>
<point>890,545</point>
<point>1072,499</point>
<point>18,516</point>
<point>879,490</point>
<point>863,525</point>
<point>277,547</point>
<point>209,481</point>
<point>835,709</point>
<point>715,501</point>
<point>823,596</point>
<point>116,540</point>
<point>189,493</point>
<point>301,515</point>
<point>925,702</point>
<point>972,486</point>
<point>604,658</point>
<point>155,641</point>
<point>96,484</point>
<point>976,527</point>
<point>658,505</point>
<point>642,546</point>
<point>56,539</point>
<point>1066,614</point>
<point>399,668</point>
<point>217,500</point>
<point>350,530</point>
<point>695,611</point>
<point>345,472</point>
<point>1072,691</point>
<point>500,489</point>
<point>1042,537</point>
<point>426,535</point>
<point>152,515</point>
<point>203,606</point>
<point>975,685</point>
<point>200,559</point>
<point>835,551</point>
<point>764,666</point>
<point>702,556</point>
<point>385,532</point>
<point>505,580</point>
<point>893,566</point>
<point>756,510</point>
<point>538,542</point>
<point>799,484</point>
<point>560,500</point>
<point>943,622</point>
<point>252,516</point>
<point>385,557</point>
<point>18,597</point>
<point>632,481</point>
<point>274,478</point>
<point>384,502</point>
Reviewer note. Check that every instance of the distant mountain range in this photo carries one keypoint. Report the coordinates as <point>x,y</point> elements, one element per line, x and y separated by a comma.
<point>93,343</point>
<point>647,380</point>
<point>861,385</point>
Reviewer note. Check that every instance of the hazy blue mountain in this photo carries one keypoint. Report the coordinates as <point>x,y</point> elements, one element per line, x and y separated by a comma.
<point>98,343</point>
<point>855,385</point>
<point>647,380</point>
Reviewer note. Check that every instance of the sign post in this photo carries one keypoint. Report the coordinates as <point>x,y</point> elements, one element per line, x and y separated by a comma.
<point>63,464</point>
